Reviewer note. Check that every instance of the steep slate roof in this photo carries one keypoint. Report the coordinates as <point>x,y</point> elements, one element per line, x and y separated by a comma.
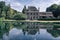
<point>32,8</point>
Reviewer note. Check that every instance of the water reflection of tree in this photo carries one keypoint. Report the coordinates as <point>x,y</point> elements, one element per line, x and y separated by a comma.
<point>3,29</point>
<point>54,32</point>
<point>1,35</point>
<point>19,25</point>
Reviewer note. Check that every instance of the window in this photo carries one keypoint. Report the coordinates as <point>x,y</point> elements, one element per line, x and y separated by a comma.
<point>34,17</point>
<point>27,13</point>
<point>31,18</point>
<point>33,13</point>
<point>44,13</point>
<point>40,17</point>
<point>50,17</point>
<point>36,13</point>
<point>43,16</point>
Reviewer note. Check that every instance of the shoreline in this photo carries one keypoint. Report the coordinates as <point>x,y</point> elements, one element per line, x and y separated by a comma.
<point>33,20</point>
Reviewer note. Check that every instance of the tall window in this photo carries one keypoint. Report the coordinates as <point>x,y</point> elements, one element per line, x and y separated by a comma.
<point>27,13</point>
<point>31,18</point>
<point>43,16</point>
<point>34,17</point>
<point>36,13</point>
<point>31,13</point>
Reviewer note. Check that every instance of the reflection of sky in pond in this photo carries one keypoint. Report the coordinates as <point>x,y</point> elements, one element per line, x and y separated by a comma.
<point>44,35</point>
<point>17,34</point>
<point>5,37</point>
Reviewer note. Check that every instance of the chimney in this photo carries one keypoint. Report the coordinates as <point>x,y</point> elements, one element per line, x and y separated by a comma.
<point>38,8</point>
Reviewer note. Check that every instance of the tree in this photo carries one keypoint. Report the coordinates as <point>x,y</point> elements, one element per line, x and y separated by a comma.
<point>55,9</point>
<point>55,33</point>
<point>24,9</point>
<point>52,8</point>
<point>8,13</point>
<point>2,7</point>
<point>20,16</point>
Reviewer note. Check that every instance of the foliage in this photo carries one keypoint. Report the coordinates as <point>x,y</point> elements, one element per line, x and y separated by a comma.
<point>52,8</point>
<point>20,17</point>
<point>8,13</point>
<point>55,9</point>
<point>23,11</point>
<point>2,18</point>
<point>55,33</point>
<point>2,6</point>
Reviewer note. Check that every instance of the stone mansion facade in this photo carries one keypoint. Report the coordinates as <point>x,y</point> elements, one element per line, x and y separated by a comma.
<point>34,14</point>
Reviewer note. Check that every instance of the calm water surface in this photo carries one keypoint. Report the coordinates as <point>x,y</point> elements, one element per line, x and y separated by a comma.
<point>29,31</point>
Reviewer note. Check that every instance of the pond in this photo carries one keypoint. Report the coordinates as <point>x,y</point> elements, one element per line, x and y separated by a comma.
<point>29,31</point>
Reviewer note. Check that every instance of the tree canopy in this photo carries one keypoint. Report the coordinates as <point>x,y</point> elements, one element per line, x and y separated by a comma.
<point>55,9</point>
<point>8,13</point>
<point>20,16</point>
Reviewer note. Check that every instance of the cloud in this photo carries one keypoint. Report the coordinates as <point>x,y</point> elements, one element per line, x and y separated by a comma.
<point>1,0</point>
<point>43,4</point>
<point>23,1</point>
<point>17,6</point>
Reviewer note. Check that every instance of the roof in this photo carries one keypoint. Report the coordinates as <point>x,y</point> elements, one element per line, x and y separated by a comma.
<point>32,8</point>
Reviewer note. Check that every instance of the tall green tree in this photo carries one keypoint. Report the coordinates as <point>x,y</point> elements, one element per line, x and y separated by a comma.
<point>55,9</point>
<point>8,13</point>
<point>24,9</point>
<point>2,7</point>
<point>20,16</point>
<point>52,8</point>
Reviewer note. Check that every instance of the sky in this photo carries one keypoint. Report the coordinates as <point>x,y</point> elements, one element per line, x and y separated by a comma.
<point>42,4</point>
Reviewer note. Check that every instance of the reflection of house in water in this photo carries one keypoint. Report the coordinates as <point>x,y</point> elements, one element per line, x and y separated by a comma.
<point>39,25</point>
<point>33,27</point>
<point>34,14</point>
<point>30,31</point>
<point>54,32</point>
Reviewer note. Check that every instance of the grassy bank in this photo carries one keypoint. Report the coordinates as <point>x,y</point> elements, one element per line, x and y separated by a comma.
<point>33,20</point>
<point>3,19</point>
